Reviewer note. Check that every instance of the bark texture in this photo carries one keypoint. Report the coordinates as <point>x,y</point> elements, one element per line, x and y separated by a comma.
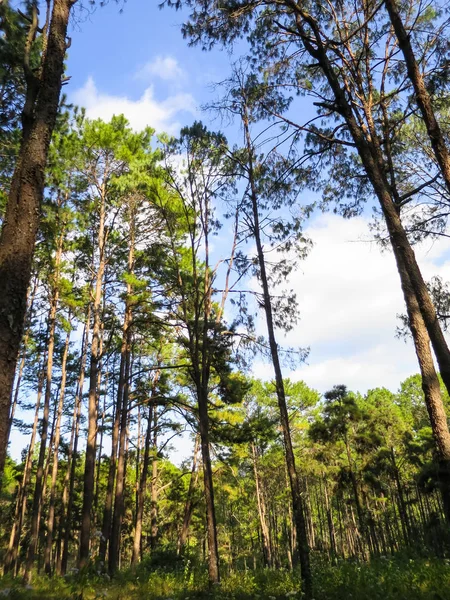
<point>18,235</point>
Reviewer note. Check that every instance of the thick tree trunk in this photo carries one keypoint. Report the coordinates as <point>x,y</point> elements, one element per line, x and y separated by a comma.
<point>22,216</point>
<point>299,513</point>
<point>51,508</point>
<point>89,469</point>
<point>430,385</point>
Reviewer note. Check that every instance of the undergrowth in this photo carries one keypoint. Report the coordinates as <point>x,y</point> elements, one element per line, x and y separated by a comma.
<point>397,578</point>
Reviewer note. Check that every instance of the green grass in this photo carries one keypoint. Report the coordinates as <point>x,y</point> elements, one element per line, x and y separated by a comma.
<point>383,579</point>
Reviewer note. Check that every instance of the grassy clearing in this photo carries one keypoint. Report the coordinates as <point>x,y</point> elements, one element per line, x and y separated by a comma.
<point>383,579</point>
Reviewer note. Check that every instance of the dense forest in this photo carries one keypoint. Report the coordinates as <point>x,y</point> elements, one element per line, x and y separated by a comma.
<point>142,274</point>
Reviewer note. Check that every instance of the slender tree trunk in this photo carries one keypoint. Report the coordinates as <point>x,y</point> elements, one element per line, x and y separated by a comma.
<point>99,382</point>
<point>23,359</point>
<point>189,506</point>
<point>199,373</point>
<point>114,541</point>
<point>154,484</point>
<point>124,387</point>
<point>21,502</point>
<point>401,500</point>
<point>309,516</point>
<point>359,509</point>
<point>89,469</point>
<point>100,448</point>
<point>151,427</point>
<point>262,511</point>
<point>202,361</point>
<point>69,480</point>
<point>330,523</point>
<point>107,512</point>
<point>51,509</point>
<point>22,215</point>
<point>136,556</point>
<point>17,386</point>
<point>299,513</point>
<point>137,465</point>
<point>40,474</point>
<point>211,526</point>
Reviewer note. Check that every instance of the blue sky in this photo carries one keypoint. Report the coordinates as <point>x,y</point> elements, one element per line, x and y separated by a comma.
<point>139,55</point>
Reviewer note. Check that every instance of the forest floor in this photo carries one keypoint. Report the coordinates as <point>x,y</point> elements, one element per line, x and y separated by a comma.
<point>396,578</point>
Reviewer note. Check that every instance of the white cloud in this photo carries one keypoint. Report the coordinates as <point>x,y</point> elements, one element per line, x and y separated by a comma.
<point>145,111</point>
<point>163,67</point>
<point>349,295</point>
<point>384,365</point>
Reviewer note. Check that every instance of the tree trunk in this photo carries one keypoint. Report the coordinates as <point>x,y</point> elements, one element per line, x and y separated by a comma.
<point>202,359</point>
<point>123,392</point>
<point>136,556</point>
<point>114,541</point>
<point>422,96</point>
<point>401,500</point>
<point>359,510</point>
<point>431,387</point>
<point>211,526</point>
<point>107,512</point>
<point>21,222</point>
<point>262,512</point>
<point>40,478</point>
<point>151,427</point>
<point>154,484</point>
<point>21,502</point>
<point>309,516</point>
<point>100,448</point>
<point>51,508</point>
<point>69,480</point>
<point>189,506</point>
<point>89,469</point>
<point>22,362</point>
<point>331,531</point>
<point>299,513</point>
